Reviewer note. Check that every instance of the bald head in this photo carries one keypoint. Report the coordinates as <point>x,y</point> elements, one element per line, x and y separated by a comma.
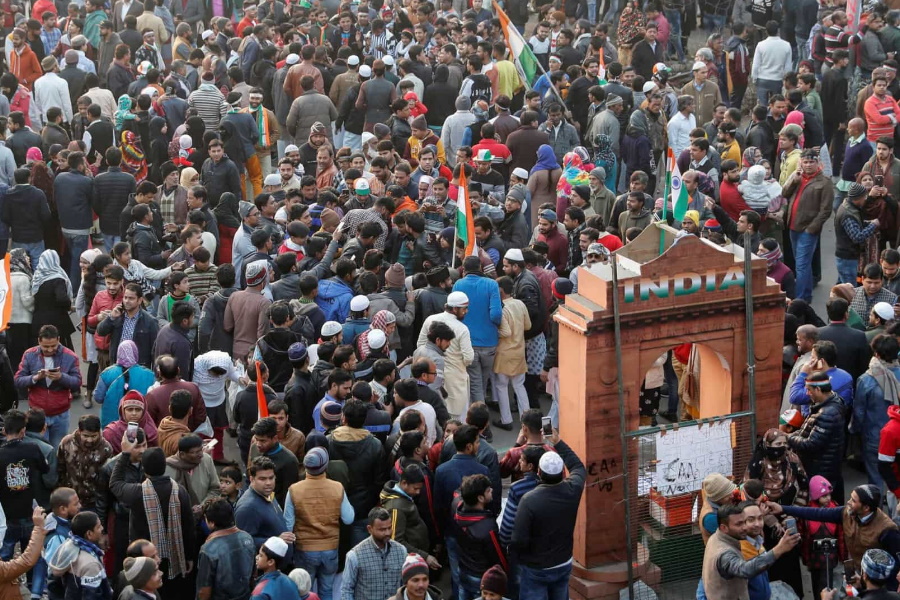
<point>856,127</point>
<point>167,367</point>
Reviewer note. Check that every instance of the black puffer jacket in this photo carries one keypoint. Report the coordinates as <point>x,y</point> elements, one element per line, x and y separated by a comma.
<point>820,442</point>
<point>364,456</point>
<point>528,290</point>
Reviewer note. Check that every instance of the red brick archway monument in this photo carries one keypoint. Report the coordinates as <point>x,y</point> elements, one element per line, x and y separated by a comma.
<point>640,502</point>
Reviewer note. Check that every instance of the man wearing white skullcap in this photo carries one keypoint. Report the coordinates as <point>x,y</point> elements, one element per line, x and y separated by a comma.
<point>458,355</point>
<point>706,94</point>
<point>527,289</point>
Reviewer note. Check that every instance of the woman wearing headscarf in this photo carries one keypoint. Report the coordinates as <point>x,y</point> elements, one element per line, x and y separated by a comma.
<point>118,379</point>
<point>775,267</point>
<point>749,158</point>
<point>42,178</point>
<point>882,206</point>
<point>158,152</point>
<point>133,159</point>
<point>573,173</point>
<point>131,408</point>
<point>91,283</point>
<point>630,30</point>
<point>542,181</point>
<point>123,112</point>
<point>637,149</point>
<point>785,482</point>
<point>229,220</point>
<point>189,178</point>
<point>52,291</point>
<point>18,334</point>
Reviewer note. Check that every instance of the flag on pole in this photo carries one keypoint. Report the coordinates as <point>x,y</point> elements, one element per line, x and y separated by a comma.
<point>5,293</point>
<point>520,52</point>
<point>261,403</point>
<point>670,163</point>
<point>465,222</point>
<point>679,195</point>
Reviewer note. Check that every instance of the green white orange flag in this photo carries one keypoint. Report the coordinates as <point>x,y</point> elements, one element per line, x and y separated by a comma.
<point>465,222</point>
<point>520,52</point>
<point>679,194</point>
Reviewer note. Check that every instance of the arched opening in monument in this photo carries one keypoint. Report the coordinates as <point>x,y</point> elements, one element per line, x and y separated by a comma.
<point>683,382</point>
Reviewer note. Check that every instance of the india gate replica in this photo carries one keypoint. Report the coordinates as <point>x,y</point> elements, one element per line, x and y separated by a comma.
<point>671,291</point>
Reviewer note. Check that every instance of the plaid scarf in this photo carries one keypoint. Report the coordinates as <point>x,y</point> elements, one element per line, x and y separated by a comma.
<point>168,540</point>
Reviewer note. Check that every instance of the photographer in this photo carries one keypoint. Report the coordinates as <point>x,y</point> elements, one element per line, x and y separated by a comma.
<point>865,525</point>
<point>851,232</point>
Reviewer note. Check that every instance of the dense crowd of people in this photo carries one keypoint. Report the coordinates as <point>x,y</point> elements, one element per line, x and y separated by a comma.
<point>256,221</point>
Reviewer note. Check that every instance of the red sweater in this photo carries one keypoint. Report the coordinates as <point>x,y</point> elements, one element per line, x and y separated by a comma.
<point>731,200</point>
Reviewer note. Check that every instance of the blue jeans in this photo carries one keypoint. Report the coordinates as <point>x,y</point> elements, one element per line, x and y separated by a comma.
<point>545,584</point>
<point>469,586</point>
<point>766,88</point>
<point>17,530</point>
<point>39,578</point>
<point>109,241</point>
<point>804,245</point>
<point>353,140</point>
<point>713,23</point>
<point>610,15</point>
<point>33,249</point>
<point>77,244</point>
<point>453,557</point>
<point>358,531</point>
<point>57,428</point>
<point>322,567</point>
<point>847,269</point>
<point>674,17</point>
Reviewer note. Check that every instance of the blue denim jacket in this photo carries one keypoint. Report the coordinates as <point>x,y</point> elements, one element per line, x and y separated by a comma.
<point>227,564</point>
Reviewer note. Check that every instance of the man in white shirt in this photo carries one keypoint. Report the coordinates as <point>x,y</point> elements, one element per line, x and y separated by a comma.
<point>681,124</point>
<point>772,59</point>
<point>52,90</point>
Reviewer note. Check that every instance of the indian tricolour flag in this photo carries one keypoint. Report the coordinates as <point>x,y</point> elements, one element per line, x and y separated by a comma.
<point>520,51</point>
<point>679,193</point>
<point>6,300</point>
<point>465,222</point>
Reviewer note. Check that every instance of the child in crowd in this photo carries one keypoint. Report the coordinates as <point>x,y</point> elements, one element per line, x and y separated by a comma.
<point>230,484</point>
<point>823,545</point>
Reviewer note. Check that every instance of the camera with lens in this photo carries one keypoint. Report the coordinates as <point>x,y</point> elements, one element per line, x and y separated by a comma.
<point>825,545</point>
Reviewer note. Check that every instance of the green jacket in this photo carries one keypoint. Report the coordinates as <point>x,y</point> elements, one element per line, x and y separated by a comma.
<point>407,527</point>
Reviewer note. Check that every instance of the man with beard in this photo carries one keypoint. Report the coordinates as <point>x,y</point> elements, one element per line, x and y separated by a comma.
<point>725,571</point>
<point>193,469</point>
<point>267,125</point>
<point>810,198</point>
<point>306,154</point>
<point>80,457</point>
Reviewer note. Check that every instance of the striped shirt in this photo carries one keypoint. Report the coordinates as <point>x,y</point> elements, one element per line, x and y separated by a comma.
<point>516,491</point>
<point>882,115</point>
<point>382,40</point>
<point>210,104</point>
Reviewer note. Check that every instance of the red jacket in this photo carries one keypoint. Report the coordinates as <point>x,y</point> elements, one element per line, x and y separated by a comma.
<point>55,398</point>
<point>40,7</point>
<point>102,301</point>
<point>25,66</point>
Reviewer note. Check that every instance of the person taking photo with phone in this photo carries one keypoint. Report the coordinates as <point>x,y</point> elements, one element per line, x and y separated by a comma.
<point>725,572</point>
<point>865,526</point>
